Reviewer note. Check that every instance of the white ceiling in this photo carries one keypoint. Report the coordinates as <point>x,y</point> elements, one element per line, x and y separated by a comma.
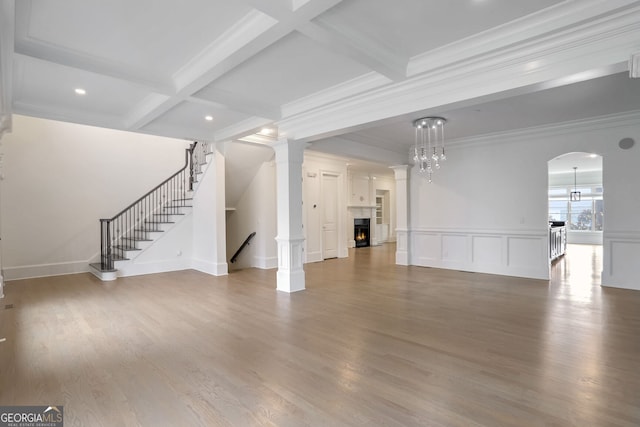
<point>317,69</point>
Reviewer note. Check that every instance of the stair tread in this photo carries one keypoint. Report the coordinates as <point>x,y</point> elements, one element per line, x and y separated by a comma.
<point>159,222</point>
<point>135,239</point>
<point>126,248</point>
<point>98,266</point>
<point>161,214</point>
<point>148,230</point>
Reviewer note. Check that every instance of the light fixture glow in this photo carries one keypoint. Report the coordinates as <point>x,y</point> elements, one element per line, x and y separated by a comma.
<point>593,156</point>
<point>80,91</point>
<point>266,131</point>
<point>208,118</point>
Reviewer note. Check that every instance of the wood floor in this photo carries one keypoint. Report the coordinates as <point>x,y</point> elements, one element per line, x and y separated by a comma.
<point>368,343</point>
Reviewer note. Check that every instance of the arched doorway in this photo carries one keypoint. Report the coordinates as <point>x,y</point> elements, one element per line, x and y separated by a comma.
<point>576,199</point>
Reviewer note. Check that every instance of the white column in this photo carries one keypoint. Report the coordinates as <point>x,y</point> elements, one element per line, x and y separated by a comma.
<point>289,157</point>
<point>402,214</point>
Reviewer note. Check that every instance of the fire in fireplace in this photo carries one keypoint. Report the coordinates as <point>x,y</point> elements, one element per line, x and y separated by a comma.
<point>361,232</point>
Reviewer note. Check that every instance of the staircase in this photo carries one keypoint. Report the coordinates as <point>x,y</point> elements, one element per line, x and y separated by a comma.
<point>133,230</point>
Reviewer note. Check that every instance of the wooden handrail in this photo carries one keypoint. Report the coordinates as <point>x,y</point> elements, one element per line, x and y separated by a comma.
<point>245,243</point>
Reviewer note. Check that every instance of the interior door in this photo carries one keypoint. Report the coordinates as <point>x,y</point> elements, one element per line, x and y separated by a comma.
<point>329,216</point>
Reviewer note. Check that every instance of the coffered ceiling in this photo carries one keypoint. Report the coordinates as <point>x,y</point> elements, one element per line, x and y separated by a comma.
<point>359,70</point>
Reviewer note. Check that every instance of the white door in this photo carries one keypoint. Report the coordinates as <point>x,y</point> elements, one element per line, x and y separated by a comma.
<point>329,216</point>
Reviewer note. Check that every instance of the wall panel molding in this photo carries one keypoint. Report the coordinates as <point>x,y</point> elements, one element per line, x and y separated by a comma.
<point>512,252</point>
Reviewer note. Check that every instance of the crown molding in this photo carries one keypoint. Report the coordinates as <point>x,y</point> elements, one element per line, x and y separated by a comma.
<point>241,129</point>
<point>356,150</point>
<point>355,86</point>
<point>566,16</point>
<point>32,47</point>
<point>597,43</point>
<point>69,116</point>
<point>615,121</point>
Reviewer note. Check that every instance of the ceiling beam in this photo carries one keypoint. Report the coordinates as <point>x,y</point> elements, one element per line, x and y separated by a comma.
<point>277,9</point>
<point>221,98</point>
<point>354,45</point>
<point>26,45</point>
<point>247,38</point>
<point>346,147</point>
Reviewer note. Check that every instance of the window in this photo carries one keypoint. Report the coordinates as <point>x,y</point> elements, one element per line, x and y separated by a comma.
<point>584,215</point>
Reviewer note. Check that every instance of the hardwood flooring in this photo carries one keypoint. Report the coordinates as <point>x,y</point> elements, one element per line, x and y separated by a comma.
<point>368,343</point>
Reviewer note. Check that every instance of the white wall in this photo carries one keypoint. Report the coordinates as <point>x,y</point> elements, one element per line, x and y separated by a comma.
<point>486,210</point>
<point>255,211</point>
<point>209,237</point>
<point>60,179</point>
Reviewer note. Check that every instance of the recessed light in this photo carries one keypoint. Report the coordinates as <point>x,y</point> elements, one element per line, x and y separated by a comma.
<point>593,156</point>
<point>208,118</point>
<point>266,131</point>
<point>80,91</point>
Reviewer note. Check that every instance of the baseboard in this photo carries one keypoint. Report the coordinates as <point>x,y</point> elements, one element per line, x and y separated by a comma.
<point>265,263</point>
<point>45,270</point>
<point>138,269</point>
<point>313,257</point>
<point>215,269</point>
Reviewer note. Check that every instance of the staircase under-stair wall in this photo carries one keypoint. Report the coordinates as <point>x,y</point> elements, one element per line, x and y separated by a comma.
<point>153,234</point>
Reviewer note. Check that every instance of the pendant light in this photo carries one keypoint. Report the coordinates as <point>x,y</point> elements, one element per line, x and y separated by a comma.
<point>575,194</point>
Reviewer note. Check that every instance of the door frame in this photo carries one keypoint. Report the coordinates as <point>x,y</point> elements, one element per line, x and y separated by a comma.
<point>341,214</point>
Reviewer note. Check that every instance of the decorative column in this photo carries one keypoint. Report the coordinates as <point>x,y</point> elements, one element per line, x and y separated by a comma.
<point>289,157</point>
<point>402,214</point>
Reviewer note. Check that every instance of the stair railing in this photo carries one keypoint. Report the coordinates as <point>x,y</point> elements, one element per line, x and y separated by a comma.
<point>119,233</point>
<point>244,244</point>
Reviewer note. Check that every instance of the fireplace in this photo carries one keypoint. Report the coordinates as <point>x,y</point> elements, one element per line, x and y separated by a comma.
<point>361,232</point>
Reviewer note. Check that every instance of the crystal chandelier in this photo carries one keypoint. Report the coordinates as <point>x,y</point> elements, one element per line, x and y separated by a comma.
<point>429,149</point>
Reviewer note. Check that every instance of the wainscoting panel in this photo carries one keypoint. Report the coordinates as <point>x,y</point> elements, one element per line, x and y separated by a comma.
<point>510,253</point>
<point>426,249</point>
<point>621,268</point>
<point>454,251</point>
<point>486,251</point>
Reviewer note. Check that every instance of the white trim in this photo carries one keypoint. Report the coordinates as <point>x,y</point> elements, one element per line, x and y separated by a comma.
<point>265,263</point>
<point>602,39</point>
<point>241,34</point>
<point>571,18</point>
<point>45,270</point>
<point>212,268</point>
<point>519,253</point>
<point>623,270</point>
<point>360,84</point>
<point>611,121</point>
